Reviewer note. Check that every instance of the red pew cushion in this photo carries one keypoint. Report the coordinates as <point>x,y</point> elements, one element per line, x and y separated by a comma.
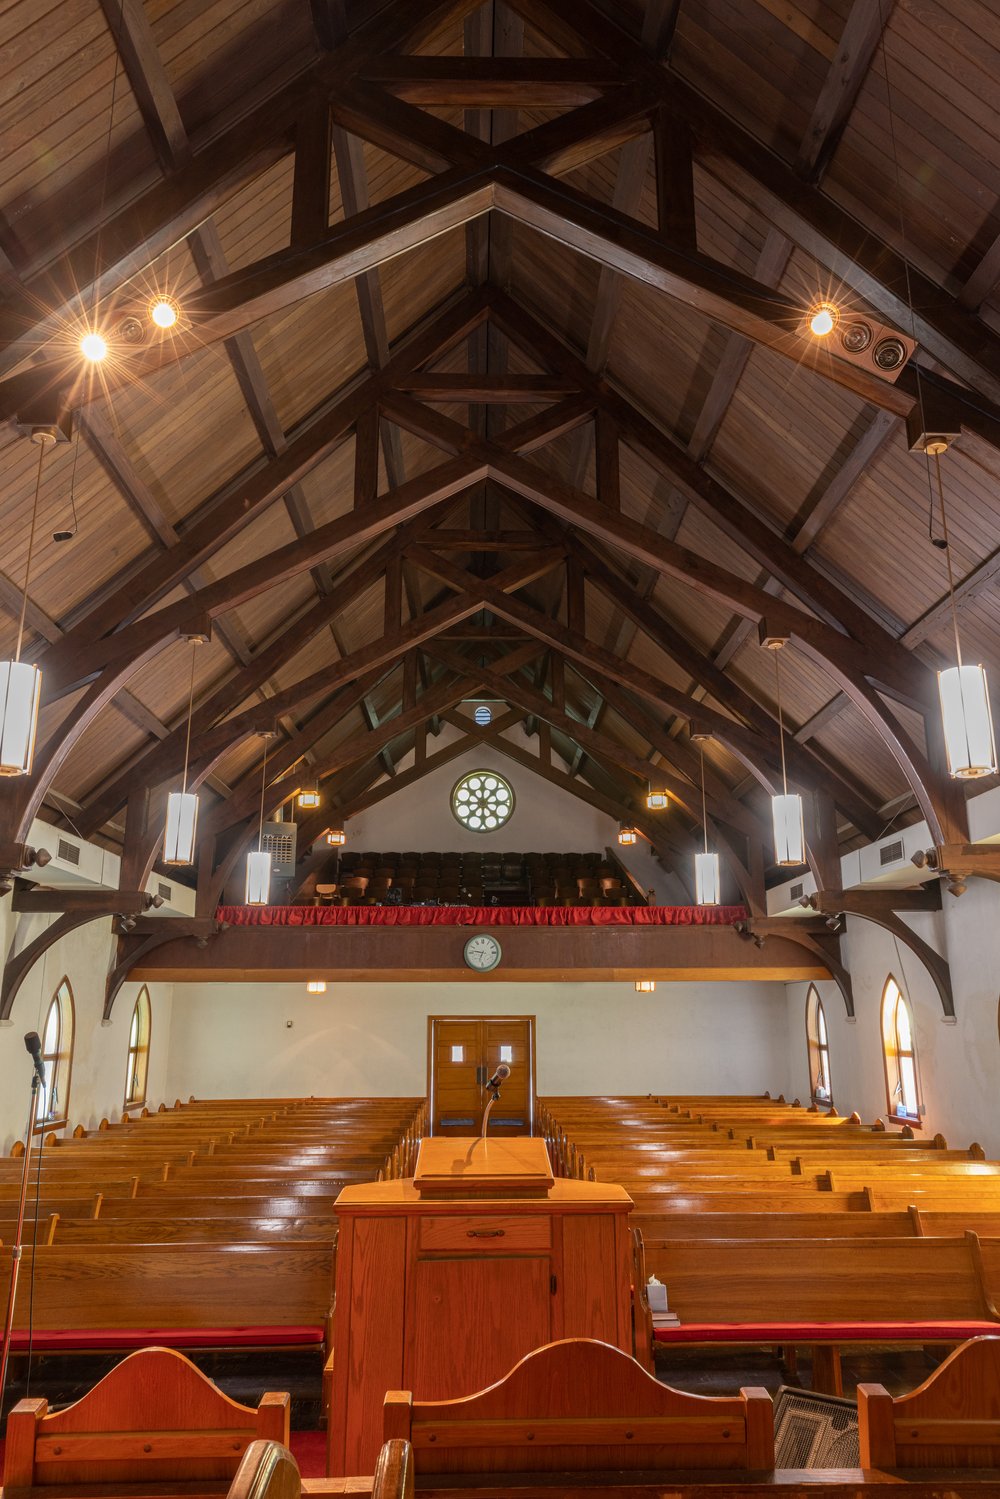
<point>167,1337</point>
<point>818,1332</point>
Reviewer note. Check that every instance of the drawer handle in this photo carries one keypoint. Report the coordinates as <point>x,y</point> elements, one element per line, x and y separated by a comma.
<point>485,1233</point>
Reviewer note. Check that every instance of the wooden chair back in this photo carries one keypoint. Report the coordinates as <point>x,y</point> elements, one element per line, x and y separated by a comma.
<point>154,1418</point>
<point>951,1421</point>
<point>268,1471</point>
<point>579,1404</point>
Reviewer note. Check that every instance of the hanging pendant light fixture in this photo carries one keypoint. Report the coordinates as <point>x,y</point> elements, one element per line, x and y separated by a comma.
<point>309,796</point>
<point>336,837</point>
<point>706,864</point>
<point>645,986</point>
<point>258,884</point>
<point>627,835</point>
<point>316,986</point>
<point>965,701</point>
<point>786,809</point>
<point>656,800</point>
<point>181,825</point>
<point>20,682</point>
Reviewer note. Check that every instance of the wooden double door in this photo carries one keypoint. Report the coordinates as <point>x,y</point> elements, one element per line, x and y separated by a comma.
<point>463,1052</point>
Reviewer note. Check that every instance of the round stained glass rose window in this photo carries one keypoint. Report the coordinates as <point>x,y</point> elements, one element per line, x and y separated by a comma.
<point>482,801</point>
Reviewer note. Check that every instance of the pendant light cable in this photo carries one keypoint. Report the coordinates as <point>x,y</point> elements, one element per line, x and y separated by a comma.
<point>947,554</point>
<point>781,724</point>
<point>43,443</point>
<point>187,741</point>
<point>263,783</point>
<point>704,814</point>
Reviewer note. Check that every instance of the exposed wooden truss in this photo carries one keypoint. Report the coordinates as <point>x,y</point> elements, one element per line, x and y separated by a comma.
<point>436,536</point>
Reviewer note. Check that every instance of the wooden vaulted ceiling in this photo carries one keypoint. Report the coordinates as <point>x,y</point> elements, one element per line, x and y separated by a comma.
<point>488,383</point>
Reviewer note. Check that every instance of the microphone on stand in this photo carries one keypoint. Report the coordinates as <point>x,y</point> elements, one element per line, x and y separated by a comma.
<point>500,1076</point>
<point>33,1044</point>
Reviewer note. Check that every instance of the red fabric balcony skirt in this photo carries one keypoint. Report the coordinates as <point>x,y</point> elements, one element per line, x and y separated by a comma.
<point>480,915</point>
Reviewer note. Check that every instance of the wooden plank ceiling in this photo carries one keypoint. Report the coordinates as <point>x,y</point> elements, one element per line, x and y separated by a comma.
<point>719,166</point>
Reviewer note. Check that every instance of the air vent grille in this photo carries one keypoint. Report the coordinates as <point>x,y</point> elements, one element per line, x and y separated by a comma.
<point>795,892</point>
<point>890,853</point>
<point>68,852</point>
<point>165,890</point>
<point>279,839</point>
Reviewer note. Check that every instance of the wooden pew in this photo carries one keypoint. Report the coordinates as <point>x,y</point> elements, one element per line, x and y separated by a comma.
<point>182,1295</point>
<point>951,1421</point>
<point>659,1229</point>
<point>825,1292</point>
<point>582,1405</point>
<point>186,1230</point>
<point>153,1419</point>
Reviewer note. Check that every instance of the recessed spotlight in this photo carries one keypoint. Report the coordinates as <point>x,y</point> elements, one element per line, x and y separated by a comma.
<point>93,347</point>
<point>164,312</point>
<point>823,319</point>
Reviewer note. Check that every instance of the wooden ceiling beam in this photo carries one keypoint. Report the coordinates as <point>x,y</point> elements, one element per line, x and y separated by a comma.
<point>164,759</point>
<point>133,236</point>
<point>494,82</point>
<point>859,40</point>
<point>369,742</point>
<point>726,509</point>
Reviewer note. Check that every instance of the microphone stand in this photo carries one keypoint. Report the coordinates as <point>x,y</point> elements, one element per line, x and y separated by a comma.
<point>494,1098</point>
<point>15,1263</point>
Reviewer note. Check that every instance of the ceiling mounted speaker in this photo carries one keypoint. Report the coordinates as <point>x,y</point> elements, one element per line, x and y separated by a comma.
<point>856,337</point>
<point>889,354</point>
<point>130,331</point>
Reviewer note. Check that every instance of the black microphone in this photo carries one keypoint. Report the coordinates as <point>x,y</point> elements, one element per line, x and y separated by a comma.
<point>33,1044</point>
<point>500,1076</point>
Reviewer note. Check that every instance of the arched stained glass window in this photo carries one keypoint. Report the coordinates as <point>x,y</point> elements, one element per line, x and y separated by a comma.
<point>819,1049</point>
<point>138,1050</point>
<point>901,1078</point>
<point>57,1056</point>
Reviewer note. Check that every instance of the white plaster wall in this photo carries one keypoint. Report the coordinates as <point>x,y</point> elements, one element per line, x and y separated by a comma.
<point>546,819</point>
<point>358,1039</point>
<point>100,1051</point>
<point>958,1062</point>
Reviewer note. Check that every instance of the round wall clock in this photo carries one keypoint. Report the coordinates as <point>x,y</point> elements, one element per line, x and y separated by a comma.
<point>482,952</point>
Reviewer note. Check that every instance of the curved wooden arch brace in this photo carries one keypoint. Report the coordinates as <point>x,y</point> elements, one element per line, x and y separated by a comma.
<point>938,967</point>
<point>138,948</point>
<point>792,928</point>
<point>16,969</point>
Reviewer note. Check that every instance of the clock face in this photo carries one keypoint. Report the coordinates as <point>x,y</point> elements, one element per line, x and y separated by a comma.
<point>482,953</point>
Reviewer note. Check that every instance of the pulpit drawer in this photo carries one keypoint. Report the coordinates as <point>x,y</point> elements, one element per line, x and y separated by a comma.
<point>490,1231</point>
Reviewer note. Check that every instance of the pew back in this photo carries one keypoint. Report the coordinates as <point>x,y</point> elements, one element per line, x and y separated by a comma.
<point>154,1418</point>
<point>580,1404</point>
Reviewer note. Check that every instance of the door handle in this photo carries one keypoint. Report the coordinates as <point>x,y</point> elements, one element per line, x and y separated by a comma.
<point>485,1233</point>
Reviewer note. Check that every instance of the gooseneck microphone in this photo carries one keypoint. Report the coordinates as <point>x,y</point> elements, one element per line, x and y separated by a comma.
<point>500,1076</point>
<point>33,1044</point>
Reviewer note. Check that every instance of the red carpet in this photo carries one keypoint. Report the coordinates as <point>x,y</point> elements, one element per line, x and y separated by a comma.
<point>309,1448</point>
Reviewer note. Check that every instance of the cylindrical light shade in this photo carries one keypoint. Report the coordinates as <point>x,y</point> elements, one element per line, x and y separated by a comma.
<point>645,986</point>
<point>706,879</point>
<point>789,832</point>
<point>20,690</point>
<point>968,723</point>
<point>316,986</point>
<point>308,797</point>
<point>180,827</point>
<point>258,877</point>
<point>626,834</point>
<point>336,837</point>
<point>656,800</point>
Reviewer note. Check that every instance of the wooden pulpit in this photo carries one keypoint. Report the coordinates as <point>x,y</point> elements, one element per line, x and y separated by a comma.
<point>445,1281</point>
